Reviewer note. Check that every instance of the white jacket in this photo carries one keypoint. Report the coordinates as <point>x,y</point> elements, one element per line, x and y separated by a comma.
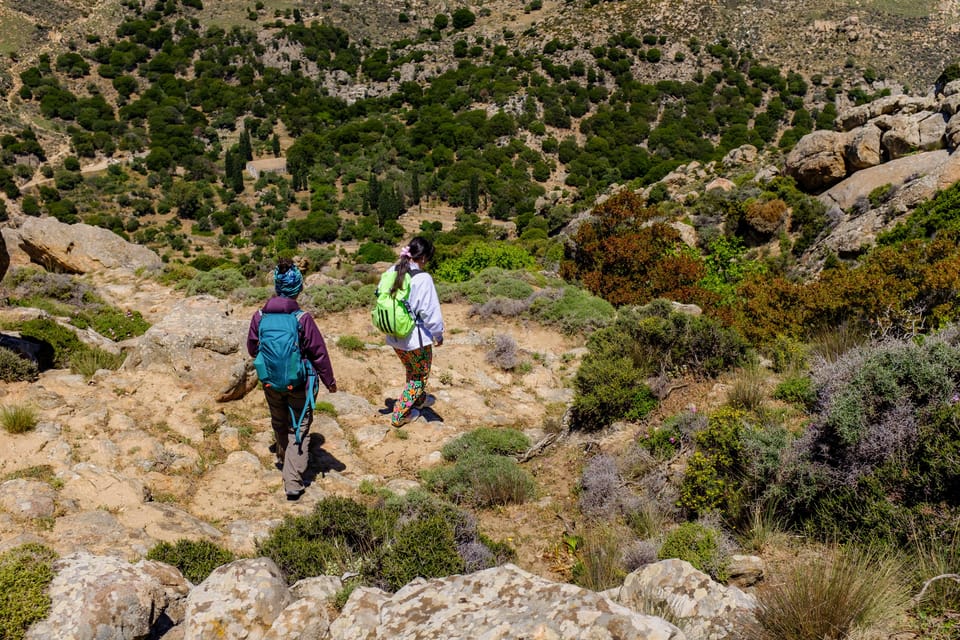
<point>425,305</point>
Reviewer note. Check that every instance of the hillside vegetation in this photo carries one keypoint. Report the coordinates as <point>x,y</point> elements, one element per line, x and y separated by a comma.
<point>544,166</point>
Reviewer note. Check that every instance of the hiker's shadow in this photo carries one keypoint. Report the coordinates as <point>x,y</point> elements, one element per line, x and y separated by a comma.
<point>321,460</point>
<point>426,413</point>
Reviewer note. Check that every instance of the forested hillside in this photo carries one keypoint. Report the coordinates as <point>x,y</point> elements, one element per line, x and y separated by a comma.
<point>701,299</point>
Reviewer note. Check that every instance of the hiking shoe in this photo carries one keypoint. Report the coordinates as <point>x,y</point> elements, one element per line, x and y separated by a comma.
<point>413,416</point>
<point>425,402</point>
<point>293,496</point>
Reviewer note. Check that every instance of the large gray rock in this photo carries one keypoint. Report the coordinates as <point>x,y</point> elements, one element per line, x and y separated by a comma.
<point>901,104</point>
<point>80,248</point>
<point>106,598</point>
<point>708,610</point>
<point>817,160</point>
<point>895,173</point>
<point>862,148</point>
<point>202,340</point>
<point>28,499</point>
<point>238,601</point>
<point>932,129</point>
<point>305,619</point>
<point>901,135</point>
<point>502,602</point>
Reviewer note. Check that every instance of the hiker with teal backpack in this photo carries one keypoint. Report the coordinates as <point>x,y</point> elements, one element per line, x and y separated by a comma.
<point>290,356</point>
<point>408,312</point>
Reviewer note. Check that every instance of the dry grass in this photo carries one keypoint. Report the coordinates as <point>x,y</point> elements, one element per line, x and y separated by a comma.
<point>843,592</point>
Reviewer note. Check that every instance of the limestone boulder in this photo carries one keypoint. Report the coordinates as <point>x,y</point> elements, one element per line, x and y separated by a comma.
<point>238,601</point>
<point>202,340</point>
<point>107,598</point>
<point>305,619</point>
<point>901,136</point>
<point>952,132</point>
<point>817,160</point>
<point>895,173</point>
<point>899,104</point>
<point>28,499</point>
<point>862,148</point>
<point>502,602</point>
<point>80,248</point>
<point>932,129</point>
<point>708,610</point>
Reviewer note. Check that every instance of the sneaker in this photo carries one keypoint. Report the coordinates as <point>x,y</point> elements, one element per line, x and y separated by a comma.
<point>425,401</point>
<point>413,416</point>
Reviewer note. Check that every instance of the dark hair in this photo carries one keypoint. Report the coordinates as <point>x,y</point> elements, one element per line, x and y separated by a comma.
<point>421,250</point>
<point>284,265</point>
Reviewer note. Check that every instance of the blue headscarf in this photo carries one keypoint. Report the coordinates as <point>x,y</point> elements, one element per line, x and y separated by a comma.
<point>288,284</point>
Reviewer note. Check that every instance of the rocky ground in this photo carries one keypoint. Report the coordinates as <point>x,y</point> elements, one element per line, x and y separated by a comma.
<point>145,454</point>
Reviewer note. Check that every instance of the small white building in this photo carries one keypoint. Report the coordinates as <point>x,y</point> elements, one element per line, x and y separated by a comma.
<point>266,165</point>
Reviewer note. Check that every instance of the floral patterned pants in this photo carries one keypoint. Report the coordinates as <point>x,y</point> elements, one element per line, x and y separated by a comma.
<point>417,365</point>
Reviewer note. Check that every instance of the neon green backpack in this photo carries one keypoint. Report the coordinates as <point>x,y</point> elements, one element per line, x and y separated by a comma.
<point>392,314</point>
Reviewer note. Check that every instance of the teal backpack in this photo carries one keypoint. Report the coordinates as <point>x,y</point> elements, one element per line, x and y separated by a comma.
<point>279,363</point>
<point>392,314</point>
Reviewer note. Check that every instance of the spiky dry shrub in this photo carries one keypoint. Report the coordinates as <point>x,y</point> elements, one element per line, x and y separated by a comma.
<point>829,345</point>
<point>831,596</point>
<point>504,353</point>
<point>637,554</point>
<point>18,418</point>
<point>748,391</point>
<point>599,564</point>
<point>601,488</point>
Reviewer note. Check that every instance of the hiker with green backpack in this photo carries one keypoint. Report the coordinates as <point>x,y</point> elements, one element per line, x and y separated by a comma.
<point>408,312</point>
<point>289,356</point>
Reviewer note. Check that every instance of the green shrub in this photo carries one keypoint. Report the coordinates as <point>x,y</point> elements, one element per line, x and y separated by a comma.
<point>351,343</point>
<point>65,342</point>
<point>91,360</point>
<point>700,545</point>
<point>478,257</point>
<point>833,595</point>
<point>482,480</point>
<point>608,389</point>
<point>372,252</point>
<point>488,440</point>
<point>788,354</point>
<point>111,322</point>
<point>219,282</point>
<point>879,458</point>
<point>13,368</point>
<point>18,418</point>
<point>572,310</point>
<point>796,390</point>
<point>710,482</point>
<point>379,542</point>
<point>195,559</point>
<point>330,541</point>
<point>642,342</point>
<point>25,573</point>
<point>423,548</point>
<point>663,442</point>
<point>334,298</point>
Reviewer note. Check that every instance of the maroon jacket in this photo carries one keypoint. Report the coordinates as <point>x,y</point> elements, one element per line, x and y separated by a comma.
<point>311,340</point>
